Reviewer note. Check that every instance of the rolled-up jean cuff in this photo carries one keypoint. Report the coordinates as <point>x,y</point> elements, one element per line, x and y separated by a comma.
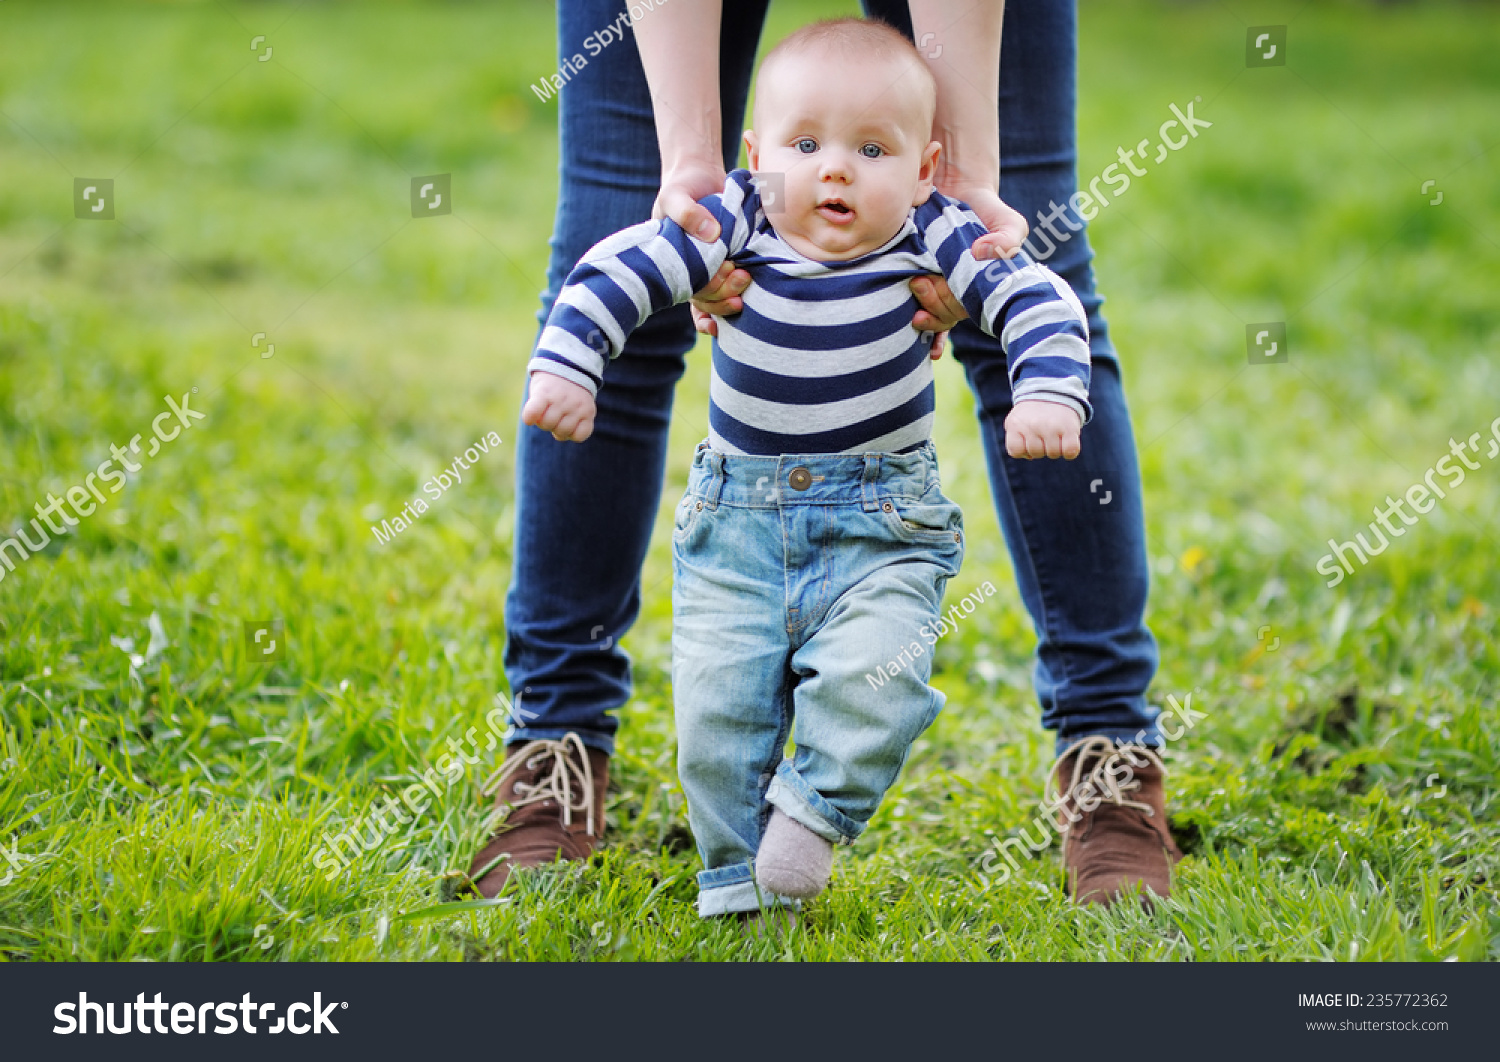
<point>732,889</point>
<point>1151,737</point>
<point>802,803</point>
<point>603,742</point>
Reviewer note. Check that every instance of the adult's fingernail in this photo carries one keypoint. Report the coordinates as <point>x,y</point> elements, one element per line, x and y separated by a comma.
<point>704,229</point>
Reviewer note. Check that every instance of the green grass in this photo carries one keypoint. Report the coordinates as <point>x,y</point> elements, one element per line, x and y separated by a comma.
<point>173,808</point>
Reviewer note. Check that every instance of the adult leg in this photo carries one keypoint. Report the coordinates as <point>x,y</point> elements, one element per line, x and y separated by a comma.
<point>1081,565</point>
<point>584,512</point>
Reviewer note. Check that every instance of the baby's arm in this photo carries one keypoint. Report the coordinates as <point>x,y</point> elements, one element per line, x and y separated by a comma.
<point>1039,322</point>
<point>619,283</point>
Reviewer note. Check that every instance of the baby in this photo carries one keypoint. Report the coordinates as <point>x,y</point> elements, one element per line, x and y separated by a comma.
<point>814,540</point>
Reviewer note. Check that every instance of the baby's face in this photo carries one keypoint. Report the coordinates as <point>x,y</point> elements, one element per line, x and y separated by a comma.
<point>853,141</point>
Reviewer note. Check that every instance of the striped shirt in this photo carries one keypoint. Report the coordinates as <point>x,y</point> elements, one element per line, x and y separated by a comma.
<point>823,358</point>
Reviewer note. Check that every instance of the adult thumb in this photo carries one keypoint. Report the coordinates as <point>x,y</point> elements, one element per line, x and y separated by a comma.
<point>695,219</point>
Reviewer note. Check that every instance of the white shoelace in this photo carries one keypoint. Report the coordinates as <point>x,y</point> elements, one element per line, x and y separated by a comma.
<point>1103,778</point>
<point>558,784</point>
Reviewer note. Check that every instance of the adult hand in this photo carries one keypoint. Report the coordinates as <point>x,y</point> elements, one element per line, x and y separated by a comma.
<point>939,312</point>
<point>682,186</point>
<point>1008,229</point>
<point>720,297</point>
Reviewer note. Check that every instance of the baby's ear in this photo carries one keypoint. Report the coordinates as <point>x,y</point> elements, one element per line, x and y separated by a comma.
<point>752,149</point>
<point>927,173</point>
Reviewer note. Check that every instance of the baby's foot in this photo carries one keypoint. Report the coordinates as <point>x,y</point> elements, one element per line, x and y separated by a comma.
<point>792,861</point>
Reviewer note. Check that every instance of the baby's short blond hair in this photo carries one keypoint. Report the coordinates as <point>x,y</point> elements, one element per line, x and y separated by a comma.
<point>863,38</point>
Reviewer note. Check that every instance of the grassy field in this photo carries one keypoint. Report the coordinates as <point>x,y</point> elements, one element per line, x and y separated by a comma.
<point>164,797</point>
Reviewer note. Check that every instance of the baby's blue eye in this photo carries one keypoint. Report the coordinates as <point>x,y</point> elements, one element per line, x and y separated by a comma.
<point>807,145</point>
<point>872,151</point>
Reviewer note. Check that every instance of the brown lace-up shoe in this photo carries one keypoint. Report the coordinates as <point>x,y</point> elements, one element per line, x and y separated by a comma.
<point>1111,807</point>
<point>549,805</point>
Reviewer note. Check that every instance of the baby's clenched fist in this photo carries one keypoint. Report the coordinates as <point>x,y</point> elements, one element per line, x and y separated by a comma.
<point>1042,429</point>
<point>559,406</point>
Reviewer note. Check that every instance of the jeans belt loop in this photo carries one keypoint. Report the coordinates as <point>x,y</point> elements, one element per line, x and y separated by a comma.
<point>868,487</point>
<point>716,484</point>
<point>929,460</point>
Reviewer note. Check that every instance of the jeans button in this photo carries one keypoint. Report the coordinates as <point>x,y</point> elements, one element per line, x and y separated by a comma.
<point>799,478</point>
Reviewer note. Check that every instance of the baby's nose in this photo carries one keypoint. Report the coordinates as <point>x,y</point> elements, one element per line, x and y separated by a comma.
<point>835,165</point>
<point>836,169</point>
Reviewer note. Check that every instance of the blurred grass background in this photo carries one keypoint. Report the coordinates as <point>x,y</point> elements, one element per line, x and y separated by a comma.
<point>170,808</point>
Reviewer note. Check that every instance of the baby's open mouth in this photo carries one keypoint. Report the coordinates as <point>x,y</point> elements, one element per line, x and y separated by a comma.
<point>835,211</point>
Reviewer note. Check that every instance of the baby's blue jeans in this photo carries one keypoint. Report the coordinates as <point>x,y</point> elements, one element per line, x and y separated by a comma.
<point>805,605</point>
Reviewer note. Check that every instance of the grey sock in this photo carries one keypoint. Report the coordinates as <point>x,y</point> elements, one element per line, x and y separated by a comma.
<point>792,861</point>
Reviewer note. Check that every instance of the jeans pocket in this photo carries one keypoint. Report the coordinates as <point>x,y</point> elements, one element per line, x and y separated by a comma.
<point>932,520</point>
<point>689,511</point>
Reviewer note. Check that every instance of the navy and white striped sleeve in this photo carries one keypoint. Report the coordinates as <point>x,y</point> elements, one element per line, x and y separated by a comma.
<point>1034,312</point>
<point>627,277</point>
